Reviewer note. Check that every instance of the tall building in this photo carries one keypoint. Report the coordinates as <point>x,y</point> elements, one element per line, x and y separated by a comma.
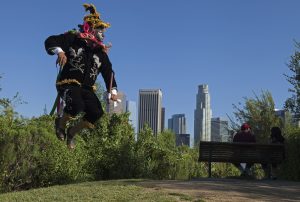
<point>131,108</point>
<point>163,112</point>
<point>183,139</point>
<point>177,124</point>
<point>219,130</point>
<point>118,108</point>
<point>150,104</point>
<point>202,115</point>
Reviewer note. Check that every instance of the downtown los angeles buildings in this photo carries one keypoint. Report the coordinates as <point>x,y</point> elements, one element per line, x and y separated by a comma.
<point>177,124</point>
<point>202,115</point>
<point>150,110</point>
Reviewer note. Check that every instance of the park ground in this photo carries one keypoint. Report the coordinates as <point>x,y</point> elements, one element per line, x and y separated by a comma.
<point>197,190</point>
<point>218,189</point>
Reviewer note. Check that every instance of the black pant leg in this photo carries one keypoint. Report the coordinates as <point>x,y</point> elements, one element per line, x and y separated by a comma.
<point>93,108</point>
<point>72,95</point>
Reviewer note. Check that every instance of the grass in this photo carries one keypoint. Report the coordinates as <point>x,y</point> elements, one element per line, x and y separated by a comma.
<point>115,190</point>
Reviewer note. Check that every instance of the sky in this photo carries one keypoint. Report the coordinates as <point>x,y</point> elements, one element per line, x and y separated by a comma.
<point>236,47</point>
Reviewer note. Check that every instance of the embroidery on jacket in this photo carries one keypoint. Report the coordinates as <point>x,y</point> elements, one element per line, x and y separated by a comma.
<point>95,68</point>
<point>76,60</point>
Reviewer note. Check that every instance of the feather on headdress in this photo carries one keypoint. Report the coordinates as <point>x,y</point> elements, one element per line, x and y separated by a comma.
<point>93,19</point>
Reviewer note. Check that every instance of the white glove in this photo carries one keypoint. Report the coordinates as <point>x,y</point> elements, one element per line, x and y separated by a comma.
<point>114,92</point>
<point>57,50</point>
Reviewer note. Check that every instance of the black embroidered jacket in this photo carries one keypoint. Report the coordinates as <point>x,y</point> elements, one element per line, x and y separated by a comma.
<point>84,62</point>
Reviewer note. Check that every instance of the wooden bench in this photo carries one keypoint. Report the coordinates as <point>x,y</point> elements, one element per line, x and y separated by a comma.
<point>234,152</point>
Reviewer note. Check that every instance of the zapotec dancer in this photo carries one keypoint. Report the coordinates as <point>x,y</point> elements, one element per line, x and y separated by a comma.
<point>82,55</point>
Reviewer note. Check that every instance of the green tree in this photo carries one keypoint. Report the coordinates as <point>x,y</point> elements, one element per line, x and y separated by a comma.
<point>259,112</point>
<point>292,104</point>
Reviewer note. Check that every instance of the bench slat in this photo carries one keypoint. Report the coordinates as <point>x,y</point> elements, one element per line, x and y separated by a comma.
<point>241,152</point>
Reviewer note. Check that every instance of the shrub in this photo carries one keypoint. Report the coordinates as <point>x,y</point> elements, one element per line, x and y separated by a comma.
<point>290,168</point>
<point>31,156</point>
<point>110,146</point>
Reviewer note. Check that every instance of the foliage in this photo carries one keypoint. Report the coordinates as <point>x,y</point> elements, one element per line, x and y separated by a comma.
<point>164,156</point>
<point>101,94</point>
<point>32,157</point>
<point>293,103</point>
<point>224,169</point>
<point>159,158</point>
<point>187,165</point>
<point>290,168</point>
<point>259,112</point>
<point>110,146</point>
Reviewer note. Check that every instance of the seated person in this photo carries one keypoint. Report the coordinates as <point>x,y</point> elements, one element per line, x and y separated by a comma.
<point>245,135</point>
<point>275,138</point>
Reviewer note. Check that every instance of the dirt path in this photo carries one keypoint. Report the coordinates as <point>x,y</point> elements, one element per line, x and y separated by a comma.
<point>231,189</point>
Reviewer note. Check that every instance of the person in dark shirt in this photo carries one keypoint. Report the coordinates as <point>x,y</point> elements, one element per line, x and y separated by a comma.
<point>275,138</point>
<point>245,135</point>
<point>82,55</point>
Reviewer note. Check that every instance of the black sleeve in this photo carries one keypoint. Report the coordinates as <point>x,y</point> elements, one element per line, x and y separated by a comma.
<point>63,41</point>
<point>107,72</point>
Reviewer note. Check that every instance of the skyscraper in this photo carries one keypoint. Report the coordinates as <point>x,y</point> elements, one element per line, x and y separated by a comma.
<point>202,115</point>
<point>150,104</point>
<point>219,130</point>
<point>131,108</point>
<point>177,124</point>
<point>163,112</point>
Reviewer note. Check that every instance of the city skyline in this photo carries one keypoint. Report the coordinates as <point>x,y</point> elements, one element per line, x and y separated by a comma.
<point>220,130</point>
<point>177,123</point>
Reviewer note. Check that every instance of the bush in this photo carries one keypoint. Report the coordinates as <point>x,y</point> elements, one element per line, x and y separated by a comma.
<point>290,168</point>
<point>159,158</point>
<point>31,156</point>
<point>110,146</point>
<point>187,166</point>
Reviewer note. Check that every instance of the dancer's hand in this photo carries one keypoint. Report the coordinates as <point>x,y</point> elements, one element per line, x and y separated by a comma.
<point>61,59</point>
<point>114,97</point>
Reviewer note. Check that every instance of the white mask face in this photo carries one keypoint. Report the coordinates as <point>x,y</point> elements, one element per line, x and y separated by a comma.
<point>99,34</point>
